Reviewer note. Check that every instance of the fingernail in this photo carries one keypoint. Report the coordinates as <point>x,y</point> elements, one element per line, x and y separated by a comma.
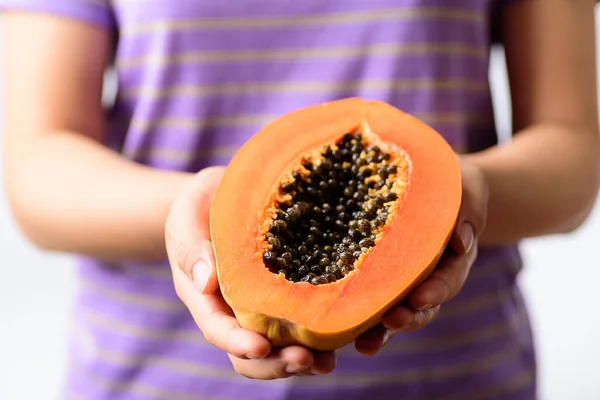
<point>386,337</point>
<point>425,307</point>
<point>314,371</point>
<point>200,273</point>
<point>405,327</point>
<point>293,369</point>
<point>467,236</point>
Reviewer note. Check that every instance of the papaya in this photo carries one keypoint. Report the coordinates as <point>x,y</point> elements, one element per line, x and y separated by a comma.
<point>329,216</point>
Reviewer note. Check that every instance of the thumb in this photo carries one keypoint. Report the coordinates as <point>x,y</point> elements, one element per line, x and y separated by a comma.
<point>472,216</point>
<point>187,230</point>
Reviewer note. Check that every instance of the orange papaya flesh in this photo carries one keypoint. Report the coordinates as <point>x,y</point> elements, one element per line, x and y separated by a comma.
<point>327,301</point>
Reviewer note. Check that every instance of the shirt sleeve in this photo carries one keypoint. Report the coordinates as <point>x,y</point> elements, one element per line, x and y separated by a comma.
<point>98,12</point>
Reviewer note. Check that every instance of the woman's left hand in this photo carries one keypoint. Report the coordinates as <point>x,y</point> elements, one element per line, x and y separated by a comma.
<point>423,304</point>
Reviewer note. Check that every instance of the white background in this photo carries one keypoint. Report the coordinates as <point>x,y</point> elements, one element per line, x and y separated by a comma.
<point>561,284</point>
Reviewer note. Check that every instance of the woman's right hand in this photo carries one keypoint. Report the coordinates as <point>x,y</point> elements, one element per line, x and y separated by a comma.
<point>192,262</point>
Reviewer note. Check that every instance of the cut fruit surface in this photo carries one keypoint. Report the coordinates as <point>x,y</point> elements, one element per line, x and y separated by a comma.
<point>328,217</point>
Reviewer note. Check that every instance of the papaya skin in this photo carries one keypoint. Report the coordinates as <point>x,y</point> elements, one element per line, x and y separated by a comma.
<point>330,316</point>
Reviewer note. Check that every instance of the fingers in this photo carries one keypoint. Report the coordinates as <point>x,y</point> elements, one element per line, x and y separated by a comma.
<point>187,231</point>
<point>324,362</point>
<point>444,283</point>
<point>399,319</point>
<point>370,342</point>
<point>406,319</point>
<point>218,323</point>
<point>250,352</point>
<point>281,363</point>
<point>286,362</point>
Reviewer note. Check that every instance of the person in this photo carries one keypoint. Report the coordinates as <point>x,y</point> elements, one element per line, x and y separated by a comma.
<point>127,187</point>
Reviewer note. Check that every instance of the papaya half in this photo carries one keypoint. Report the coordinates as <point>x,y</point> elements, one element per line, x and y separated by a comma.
<point>328,217</point>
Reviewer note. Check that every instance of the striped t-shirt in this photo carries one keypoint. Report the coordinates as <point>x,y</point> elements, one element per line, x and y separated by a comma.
<point>197,78</point>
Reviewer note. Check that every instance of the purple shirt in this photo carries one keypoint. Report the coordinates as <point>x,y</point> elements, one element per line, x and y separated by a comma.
<point>197,79</point>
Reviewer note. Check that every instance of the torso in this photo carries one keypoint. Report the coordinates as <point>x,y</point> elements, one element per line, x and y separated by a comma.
<point>198,79</point>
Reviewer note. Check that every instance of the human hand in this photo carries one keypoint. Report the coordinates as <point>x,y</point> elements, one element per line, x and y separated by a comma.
<point>191,256</point>
<point>423,304</point>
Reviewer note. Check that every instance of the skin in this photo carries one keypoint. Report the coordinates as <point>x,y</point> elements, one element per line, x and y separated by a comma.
<point>130,209</point>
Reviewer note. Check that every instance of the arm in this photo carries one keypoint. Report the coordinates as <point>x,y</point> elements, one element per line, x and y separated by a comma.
<point>546,180</point>
<point>67,191</point>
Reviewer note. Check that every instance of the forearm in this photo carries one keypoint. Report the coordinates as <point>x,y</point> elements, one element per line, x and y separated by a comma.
<point>544,182</point>
<point>70,194</point>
